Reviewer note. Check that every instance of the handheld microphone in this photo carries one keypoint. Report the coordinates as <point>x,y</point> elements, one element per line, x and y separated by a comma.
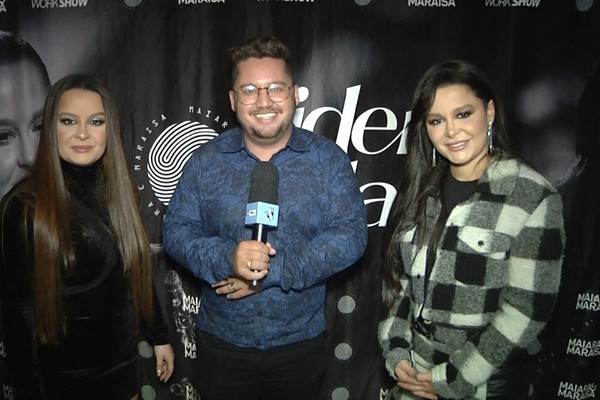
<point>262,210</point>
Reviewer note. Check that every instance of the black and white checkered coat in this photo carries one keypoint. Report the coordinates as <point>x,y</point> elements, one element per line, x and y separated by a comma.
<point>492,286</point>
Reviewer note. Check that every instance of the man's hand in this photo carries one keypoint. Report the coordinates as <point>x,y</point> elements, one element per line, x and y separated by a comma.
<point>235,288</point>
<point>251,259</point>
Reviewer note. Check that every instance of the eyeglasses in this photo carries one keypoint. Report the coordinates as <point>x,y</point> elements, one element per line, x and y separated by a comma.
<point>277,91</point>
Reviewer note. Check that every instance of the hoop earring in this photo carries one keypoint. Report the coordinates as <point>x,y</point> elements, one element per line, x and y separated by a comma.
<point>433,161</point>
<point>490,134</point>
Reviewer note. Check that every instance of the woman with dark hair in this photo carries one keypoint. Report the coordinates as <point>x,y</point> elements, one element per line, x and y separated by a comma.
<point>472,256</point>
<point>75,263</point>
<point>24,82</point>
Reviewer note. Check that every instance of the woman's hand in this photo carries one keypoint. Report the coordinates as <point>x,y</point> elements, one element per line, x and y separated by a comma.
<point>419,384</point>
<point>165,361</point>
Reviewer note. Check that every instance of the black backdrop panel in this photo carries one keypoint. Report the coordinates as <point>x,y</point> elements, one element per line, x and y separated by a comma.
<point>165,61</point>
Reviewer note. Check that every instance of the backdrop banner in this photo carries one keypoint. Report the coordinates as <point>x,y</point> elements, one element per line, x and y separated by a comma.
<point>357,63</point>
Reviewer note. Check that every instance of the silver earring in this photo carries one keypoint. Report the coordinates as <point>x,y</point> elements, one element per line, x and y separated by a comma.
<point>490,135</point>
<point>433,162</point>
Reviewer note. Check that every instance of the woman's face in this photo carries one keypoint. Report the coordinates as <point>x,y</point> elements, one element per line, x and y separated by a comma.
<point>23,89</point>
<point>457,127</point>
<point>81,127</point>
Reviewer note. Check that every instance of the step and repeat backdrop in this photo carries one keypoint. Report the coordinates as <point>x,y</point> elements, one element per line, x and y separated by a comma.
<point>357,62</point>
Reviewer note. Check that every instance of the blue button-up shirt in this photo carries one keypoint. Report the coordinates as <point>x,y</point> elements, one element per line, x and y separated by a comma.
<point>322,230</point>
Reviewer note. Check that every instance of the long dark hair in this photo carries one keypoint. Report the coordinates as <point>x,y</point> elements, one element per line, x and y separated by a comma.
<point>419,178</point>
<point>54,253</point>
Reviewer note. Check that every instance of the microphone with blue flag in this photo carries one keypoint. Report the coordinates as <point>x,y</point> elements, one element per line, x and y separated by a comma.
<point>262,211</point>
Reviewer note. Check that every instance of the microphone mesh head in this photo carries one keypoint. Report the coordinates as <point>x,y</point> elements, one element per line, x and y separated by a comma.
<point>264,184</point>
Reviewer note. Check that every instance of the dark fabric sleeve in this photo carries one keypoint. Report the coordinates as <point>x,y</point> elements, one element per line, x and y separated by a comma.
<point>16,301</point>
<point>158,331</point>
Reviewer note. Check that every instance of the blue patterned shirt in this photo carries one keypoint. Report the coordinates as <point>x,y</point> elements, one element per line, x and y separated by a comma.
<point>322,230</point>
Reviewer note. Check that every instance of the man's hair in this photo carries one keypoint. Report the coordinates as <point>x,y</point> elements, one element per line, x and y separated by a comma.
<point>264,47</point>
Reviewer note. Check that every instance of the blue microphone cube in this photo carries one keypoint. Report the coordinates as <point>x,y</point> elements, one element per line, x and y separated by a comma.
<point>262,213</point>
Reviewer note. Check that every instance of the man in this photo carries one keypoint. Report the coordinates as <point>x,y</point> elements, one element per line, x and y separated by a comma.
<point>264,342</point>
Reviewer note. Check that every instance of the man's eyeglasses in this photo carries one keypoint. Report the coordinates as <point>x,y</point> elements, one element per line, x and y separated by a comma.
<point>278,92</point>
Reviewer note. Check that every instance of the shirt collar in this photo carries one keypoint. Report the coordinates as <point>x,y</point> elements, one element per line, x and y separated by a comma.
<point>235,143</point>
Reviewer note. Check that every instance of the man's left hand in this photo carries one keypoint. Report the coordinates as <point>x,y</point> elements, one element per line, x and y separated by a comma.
<point>235,288</point>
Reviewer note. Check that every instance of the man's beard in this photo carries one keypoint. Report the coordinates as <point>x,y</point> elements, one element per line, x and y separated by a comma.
<point>273,133</point>
<point>263,135</point>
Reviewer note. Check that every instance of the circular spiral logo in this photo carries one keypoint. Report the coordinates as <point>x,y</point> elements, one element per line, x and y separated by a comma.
<point>169,153</point>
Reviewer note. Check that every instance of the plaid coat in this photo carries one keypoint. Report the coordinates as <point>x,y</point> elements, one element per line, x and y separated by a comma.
<point>492,286</point>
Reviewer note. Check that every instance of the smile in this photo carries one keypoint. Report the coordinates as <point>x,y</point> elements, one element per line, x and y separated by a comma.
<point>265,115</point>
<point>457,146</point>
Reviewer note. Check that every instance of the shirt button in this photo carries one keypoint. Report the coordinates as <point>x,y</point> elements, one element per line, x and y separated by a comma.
<point>260,313</point>
<point>480,243</point>
<point>418,276</point>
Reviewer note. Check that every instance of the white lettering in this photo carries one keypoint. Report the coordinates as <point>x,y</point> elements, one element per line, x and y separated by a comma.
<point>354,131</point>
<point>584,348</point>
<point>383,394</point>
<point>186,2</point>
<point>190,350</point>
<point>577,392</point>
<point>58,3</point>
<point>431,3</point>
<point>588,301</point>
<point>497,3</point>
<point>386,201</point>
<point>526,3</point>
<point>191,303</point>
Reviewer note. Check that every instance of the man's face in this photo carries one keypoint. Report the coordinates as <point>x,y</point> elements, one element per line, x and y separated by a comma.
<point>264,122</point>
<point>23,89</point>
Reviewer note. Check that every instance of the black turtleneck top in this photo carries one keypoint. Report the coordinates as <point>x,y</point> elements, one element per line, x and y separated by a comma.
<point>96,359</point>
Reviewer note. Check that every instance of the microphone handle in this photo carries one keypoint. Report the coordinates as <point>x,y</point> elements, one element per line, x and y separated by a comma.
<point>259,232</point>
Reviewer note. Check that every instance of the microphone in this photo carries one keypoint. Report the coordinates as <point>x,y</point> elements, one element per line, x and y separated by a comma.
<point>262,210</point>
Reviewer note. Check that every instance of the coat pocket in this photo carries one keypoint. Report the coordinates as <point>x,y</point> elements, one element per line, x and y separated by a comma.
<point>484,242</point>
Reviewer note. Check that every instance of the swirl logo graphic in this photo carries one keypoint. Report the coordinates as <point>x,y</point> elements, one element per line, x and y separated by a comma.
<point>169,153</point>
<point>163,148</point>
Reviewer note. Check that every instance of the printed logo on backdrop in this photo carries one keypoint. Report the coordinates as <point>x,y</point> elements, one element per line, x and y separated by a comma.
<point>165,145</point>
<point>575,391</point>
<point>8,392</point>
<point>205,2</point>
<point>58,3</point>
<point>359,128</point>
<point>584,348</point>
<point>588,301</point>
<point>512,3</point>
<point>431,3</point>
<point>488,3</point>
<point>286,1</point>
<point>185,311</point>
<point>163,149</point>
<point>2,6</point>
